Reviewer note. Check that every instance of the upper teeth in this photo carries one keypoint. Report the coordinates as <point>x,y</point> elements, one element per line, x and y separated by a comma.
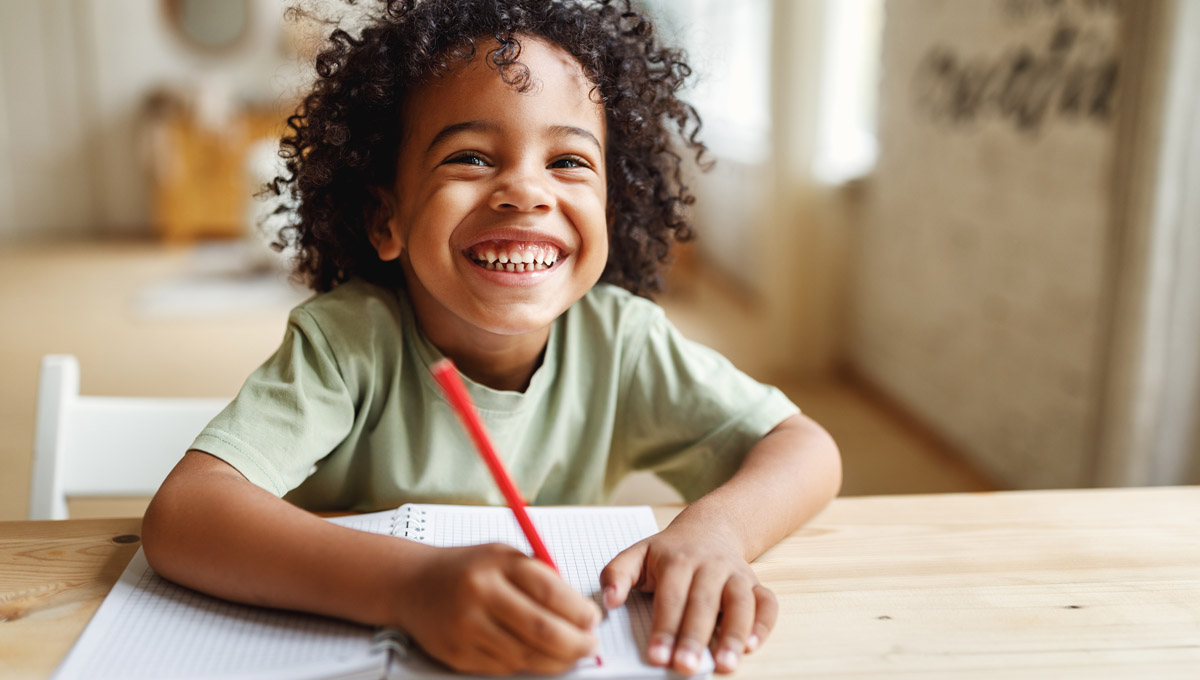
<point>515,256</point>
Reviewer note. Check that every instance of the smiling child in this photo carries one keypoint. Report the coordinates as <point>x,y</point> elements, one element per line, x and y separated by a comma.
<point>497,182</point>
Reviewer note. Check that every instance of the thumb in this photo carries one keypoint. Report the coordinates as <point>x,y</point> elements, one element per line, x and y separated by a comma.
<point>622,574</point>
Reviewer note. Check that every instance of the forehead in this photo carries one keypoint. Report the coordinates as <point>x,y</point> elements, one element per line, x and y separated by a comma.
<point>559,93</point>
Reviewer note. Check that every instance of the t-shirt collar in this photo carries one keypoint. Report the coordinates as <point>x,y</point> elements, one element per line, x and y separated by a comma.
<point>485,398</point>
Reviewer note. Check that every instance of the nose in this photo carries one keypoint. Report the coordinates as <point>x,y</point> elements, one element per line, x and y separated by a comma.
<point>523,188</point>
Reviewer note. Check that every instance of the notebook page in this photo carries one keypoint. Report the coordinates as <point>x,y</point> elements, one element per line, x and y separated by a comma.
<point>372,522</point>
<point>150,628</point>
<point>582,541</point>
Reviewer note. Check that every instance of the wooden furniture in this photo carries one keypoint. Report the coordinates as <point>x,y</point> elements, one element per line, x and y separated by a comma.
<point>1091,583</point>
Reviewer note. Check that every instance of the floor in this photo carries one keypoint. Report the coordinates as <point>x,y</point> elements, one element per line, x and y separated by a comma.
<point>131,313</point>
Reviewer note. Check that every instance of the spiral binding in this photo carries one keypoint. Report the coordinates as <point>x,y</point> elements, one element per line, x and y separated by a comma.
<point>392,641</point>
<point>407,522</point>
<point>410,522</point>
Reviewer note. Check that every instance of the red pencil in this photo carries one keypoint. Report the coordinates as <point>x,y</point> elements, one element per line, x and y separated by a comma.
<point>446,375</point>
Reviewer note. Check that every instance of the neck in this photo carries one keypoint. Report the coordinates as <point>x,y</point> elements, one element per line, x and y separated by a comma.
<point>501,362</point>
<point>501,368</point>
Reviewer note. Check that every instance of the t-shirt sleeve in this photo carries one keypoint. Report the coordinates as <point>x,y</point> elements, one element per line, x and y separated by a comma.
<point>291,412</point>
<point>688,414</point>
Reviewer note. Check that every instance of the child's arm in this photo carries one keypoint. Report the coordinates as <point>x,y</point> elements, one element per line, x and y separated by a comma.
<point>482,609</point>
<point>699,565</point>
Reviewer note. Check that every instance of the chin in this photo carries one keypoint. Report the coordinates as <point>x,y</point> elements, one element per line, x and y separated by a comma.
<point>508,328</point>
<point>512,321</point>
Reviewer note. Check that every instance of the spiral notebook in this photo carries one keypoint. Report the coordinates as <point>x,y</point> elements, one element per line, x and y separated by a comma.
<point>150,628</point>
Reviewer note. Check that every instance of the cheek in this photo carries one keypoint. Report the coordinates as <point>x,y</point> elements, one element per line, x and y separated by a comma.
<point>591,215</point>
<point>439,212</point>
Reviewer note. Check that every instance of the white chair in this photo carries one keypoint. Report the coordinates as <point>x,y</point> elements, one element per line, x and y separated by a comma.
<point>105,446</point>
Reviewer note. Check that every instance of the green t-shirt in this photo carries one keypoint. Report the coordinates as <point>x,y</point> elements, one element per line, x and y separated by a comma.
<point>346,416</point>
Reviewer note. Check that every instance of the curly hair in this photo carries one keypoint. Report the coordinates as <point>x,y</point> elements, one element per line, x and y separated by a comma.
<point>344,137</point>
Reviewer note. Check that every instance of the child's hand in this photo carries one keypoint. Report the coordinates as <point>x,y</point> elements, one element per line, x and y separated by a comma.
<point>695,575</point>
<point>491,609</point>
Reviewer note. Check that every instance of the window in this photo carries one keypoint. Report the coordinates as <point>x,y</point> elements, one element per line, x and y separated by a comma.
<point>846,119</point>
<point>728,46</point>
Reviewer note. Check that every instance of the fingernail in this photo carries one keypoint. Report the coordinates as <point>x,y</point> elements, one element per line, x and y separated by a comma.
<point>660,651</point>
<point>727,659</point>
<point>610,596</point>
<point>687,660</point>
<point>752,642</point>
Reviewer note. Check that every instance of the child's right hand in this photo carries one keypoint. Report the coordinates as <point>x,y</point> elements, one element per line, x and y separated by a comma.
<point>491,609</point>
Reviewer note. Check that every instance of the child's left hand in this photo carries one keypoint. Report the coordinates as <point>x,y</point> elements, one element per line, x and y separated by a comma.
<point>696,573</point>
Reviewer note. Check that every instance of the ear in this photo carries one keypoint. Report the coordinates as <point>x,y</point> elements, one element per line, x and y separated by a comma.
<point>382,225</point>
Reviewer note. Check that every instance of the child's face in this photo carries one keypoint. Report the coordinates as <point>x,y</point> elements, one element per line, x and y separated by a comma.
<point>489,177</point>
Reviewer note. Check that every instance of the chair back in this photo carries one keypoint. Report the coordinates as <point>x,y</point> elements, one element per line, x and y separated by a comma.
<point>105,446</point>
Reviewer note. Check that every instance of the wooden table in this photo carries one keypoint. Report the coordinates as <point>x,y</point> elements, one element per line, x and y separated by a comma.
<point>1062,584</point>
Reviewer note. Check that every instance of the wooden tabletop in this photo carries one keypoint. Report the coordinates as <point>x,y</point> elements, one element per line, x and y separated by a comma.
<point>1094,583</point>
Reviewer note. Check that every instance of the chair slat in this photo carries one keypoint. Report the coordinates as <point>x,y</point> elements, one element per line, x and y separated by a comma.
<point>105,446</point>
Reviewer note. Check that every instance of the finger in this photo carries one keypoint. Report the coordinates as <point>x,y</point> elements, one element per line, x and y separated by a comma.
<point>482,662</point>
<point>545,587</point>
<point>526,658</point>
<point>622,574</point>
<point>478,648</point>
<point>499,652</point>
<point>699,618</point>
<point>765,613</point>
<point>670,598</point>
<point>738,605</point>
<point>538,628</point>
<point>537,659</point>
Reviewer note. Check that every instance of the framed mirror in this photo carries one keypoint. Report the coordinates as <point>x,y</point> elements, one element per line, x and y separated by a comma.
<point>209,25</point>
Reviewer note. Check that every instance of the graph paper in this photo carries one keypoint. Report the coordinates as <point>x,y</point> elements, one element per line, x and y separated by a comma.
<point>151,628</point>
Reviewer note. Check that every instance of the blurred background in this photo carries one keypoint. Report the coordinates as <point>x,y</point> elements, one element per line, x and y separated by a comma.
<point>963,235</point>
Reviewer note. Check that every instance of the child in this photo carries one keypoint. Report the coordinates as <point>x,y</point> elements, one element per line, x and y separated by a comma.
<point>472,177</point>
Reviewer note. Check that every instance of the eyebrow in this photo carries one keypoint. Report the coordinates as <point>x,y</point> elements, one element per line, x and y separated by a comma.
<point>451,130</point>
<point>486,126</point>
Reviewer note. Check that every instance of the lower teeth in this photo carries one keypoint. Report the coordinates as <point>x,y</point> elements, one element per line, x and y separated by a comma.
<point>511,267</point>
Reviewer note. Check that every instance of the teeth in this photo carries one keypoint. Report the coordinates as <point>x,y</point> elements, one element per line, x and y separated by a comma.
<point>518,257</point>
<point>512,267</point>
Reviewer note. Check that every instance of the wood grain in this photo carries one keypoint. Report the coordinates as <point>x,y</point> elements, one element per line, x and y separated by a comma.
<point>1097,584</point>
<point>53,576</point>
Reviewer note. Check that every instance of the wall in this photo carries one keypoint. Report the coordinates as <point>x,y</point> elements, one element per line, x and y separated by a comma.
<point>73,77</point>
<point>45,184</point>
<point>979,284</point>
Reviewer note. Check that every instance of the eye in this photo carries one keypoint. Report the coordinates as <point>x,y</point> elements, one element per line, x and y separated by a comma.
<point>569,162</point>
<point>467,158</point>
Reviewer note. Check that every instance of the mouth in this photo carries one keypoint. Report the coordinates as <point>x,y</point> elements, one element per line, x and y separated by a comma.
<point>514,256</point>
